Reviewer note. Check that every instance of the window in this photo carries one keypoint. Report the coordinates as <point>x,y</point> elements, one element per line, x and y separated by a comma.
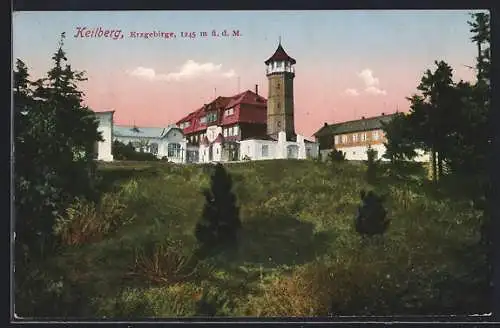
<point>203,120</point>
<point>337,141</point>
<point>229,112</point>
<point>363,136</point>
<point>344,139</point>
<point>278,105</point>
<point>265,150</point>
<point>236,132</point>
<point>224,132</point>
<point>231,131</point>
<point>174,150</point>
<point>211,117</point>
<point>375,135</point>
<point>355,137</point>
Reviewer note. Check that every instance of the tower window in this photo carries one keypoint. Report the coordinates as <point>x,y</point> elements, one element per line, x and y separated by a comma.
<point>278,105</point>
<point>278,86</point>
<point>278,124</point>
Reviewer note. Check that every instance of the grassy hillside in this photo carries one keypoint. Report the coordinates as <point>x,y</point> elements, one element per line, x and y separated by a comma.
<point>299,255</point>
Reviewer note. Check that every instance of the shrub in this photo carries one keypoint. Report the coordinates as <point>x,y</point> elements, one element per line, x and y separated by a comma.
<point>220,220</point>
<point>335,156</point>
<point>128,153</point>
<point>167,263</point>
<point>299,294</point>
<point>371,218</point>
<point>85,222</point>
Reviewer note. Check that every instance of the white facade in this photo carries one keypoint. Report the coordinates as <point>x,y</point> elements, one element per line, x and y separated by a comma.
<point>171,146</point>
<point>105,127</point>
<point>256,149</point>
<point>358,153</point>
<point>253,149</point>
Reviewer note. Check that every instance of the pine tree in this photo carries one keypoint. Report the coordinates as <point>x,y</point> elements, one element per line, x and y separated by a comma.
<point>51,131</point>
<point>74,129</point>
<point>371,218</point>
<point>220,221</point>
<point>400,145</point>
<point>53,161</point>
<point>371,165</point>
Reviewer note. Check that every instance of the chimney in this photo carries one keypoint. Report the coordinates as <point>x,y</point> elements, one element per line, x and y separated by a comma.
<point>383,114</point>
<point>362,117</point>
<point>256,89</point>
<point>326,124</point>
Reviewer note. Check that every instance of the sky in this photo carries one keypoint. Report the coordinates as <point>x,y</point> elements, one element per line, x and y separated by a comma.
<point>349,63</point>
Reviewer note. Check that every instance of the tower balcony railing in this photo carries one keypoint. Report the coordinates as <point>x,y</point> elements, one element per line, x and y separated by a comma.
<point>280,70</point>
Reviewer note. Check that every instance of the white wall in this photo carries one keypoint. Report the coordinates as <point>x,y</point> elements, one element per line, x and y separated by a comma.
<point>422,156</point>
<point>358,153</point>
<point>173,136</point>
<point>104,152</point>
<point>253,149</point>
<point>313,149</point>
<point>276,149</point>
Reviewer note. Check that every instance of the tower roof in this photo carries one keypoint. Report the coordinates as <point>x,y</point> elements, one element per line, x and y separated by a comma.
<point>280,55</point>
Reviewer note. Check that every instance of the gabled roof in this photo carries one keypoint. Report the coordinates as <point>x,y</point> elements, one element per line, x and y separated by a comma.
<point>142,132</point>
<point>280,55</point>
<point>247,97</point>
<point>364,124</point>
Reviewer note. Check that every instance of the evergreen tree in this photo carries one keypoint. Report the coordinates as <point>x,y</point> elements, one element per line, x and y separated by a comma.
<point>53,161</point>
<point>400,145</point>
<point>371,165</point>
<point>54,142</point>
<point>74,129</point>
<point>220,220</point>
<point>371,218</point>
<point>439,110</point>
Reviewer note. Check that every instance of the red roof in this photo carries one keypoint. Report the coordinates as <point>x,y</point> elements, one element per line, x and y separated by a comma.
<point>280,55</point>
<point>247,97</point>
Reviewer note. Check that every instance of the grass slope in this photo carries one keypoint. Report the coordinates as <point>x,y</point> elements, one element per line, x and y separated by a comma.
<point>298,255</point>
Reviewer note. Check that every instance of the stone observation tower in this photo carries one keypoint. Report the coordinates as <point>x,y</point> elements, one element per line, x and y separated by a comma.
<point>280,73</point>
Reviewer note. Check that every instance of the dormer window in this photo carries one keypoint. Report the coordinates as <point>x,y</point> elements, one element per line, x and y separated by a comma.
<point>211,117</point>
<point>229,112</point>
